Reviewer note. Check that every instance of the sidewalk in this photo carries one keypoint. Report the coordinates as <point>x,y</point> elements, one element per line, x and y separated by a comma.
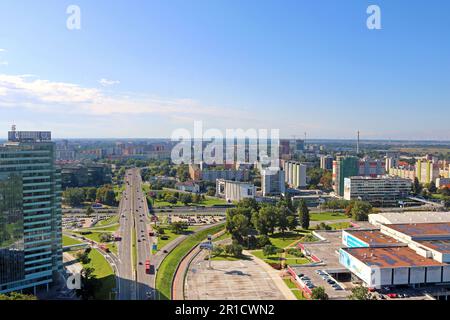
<point>275,276</point>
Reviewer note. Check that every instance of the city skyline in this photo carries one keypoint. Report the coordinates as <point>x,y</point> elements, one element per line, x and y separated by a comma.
<point>138,70</point>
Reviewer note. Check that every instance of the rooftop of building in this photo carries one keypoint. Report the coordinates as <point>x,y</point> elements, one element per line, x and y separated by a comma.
<point>442,246</point>
<point>423,230</point>
<point>391,257</point>
<point>411,217</point>
<point>373,237</point>
<point>379,177</point>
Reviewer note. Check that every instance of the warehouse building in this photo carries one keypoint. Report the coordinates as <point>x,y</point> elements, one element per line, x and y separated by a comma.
<point>413,254</point>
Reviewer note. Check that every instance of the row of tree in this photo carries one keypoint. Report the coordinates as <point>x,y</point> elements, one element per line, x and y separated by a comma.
<point>250,218</point>
<point>75,197</point>
<point>174,197</point>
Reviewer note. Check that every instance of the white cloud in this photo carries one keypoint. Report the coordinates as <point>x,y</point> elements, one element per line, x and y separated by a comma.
<point>30,92</point>
<point>4,63</point>
<point>106,83</point>
<point>2,50</point>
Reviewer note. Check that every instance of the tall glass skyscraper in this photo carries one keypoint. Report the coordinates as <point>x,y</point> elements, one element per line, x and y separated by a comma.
<point>30,212</point>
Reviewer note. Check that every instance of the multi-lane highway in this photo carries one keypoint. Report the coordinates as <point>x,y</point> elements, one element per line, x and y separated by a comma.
<point>135,246</point>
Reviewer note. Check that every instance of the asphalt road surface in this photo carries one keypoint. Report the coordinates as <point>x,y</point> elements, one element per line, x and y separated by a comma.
<point>127,279</point>
<point>134,280</point>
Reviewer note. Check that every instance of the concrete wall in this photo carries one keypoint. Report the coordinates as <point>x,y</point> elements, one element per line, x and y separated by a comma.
<point>400,276</point>
<point>433,274</point>
<point>417,275</point>
<point>446,274</point>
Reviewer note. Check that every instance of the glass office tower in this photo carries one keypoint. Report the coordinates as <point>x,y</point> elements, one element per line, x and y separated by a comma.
<point>30,212</point>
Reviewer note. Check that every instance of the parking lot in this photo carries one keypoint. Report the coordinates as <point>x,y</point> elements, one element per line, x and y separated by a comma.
<point>326,251</point>
<point>240,280</point>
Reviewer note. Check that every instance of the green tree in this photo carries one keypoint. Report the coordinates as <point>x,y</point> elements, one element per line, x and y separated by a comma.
<point>211,192</point>
<point>186,198</point>
<point>217,251</point>
<point>74,197</point>
<point>282,219</point>
<point>89,211</point>
<point>327,180</point>
<point>172,200</point>
<point>360,293</point>
<point>89,284</point>
<point>183,172</point>
<point>234,249</point>
<point>105,237</point>
<point>91,194</point>
<point>248,203</point>
<point>269,250</point>
<point>178,227</point>
<point>106,195</point>
<point>360,211</point>
<point>237,225</point>
<point>432,187</point>
<point>264,221</point>
<point>303,213</point>
<point>318,293</point>
<point>292,223</point>
<point>416,187</point>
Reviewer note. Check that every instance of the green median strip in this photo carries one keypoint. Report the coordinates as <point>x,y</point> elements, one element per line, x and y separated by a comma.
<point>166,271</point>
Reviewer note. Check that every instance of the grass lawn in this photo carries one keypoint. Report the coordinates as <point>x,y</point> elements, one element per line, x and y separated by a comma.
<point>95,236</point>
<point>226,235</point>
<point>118,190</point>
<point>68,241</point>
<point>172,236</point>
<point>110,228</point>
<point>324,216</point>
<point>166,271</point>
<point>269,259</point>
<point>106,222</point>
<point>282,241</point>
<point>289,259</point>
<point>225,257</point>
<point>340,225</point>
<point>297,292</point>
<point>104,273</point>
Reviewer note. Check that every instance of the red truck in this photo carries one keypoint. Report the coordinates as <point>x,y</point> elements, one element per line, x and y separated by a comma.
<point>147,266</point>
<point>104,247</point>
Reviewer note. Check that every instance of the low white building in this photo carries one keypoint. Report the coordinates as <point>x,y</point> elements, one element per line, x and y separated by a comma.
<point>188,186</point>
<point>234,190</point>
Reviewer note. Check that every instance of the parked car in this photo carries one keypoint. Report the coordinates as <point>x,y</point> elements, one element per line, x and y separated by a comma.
<point>392,295</point>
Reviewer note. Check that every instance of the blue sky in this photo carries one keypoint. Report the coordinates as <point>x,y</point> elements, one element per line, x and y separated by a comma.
<point>144,68</point>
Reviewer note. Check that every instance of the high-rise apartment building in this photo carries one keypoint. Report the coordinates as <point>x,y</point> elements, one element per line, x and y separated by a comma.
<point>344,167</point>
<point>326,162</point>
<point>30,212</point>
<point>295,174</point>
<point>349,166</point>
<point>272,181</point>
